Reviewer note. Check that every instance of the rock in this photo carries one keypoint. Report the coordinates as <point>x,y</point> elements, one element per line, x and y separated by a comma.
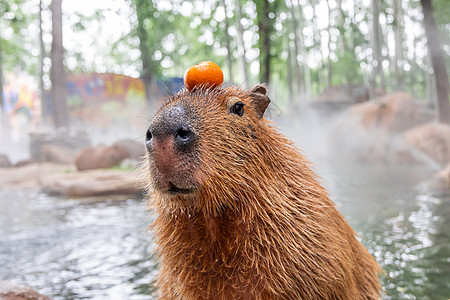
<point>444,175</point>
<point>12,291</point>
<point>25,162</point>
<point>100,157</point>
<point>136,150</point>
<point>94,183</point>
<point>393,113</point>
<point>70,141</point>
<point>352,93</point>
<point>57,154</point>
<point>372,130</point>
<point>4,161</point>
<point>65,180</point>
<point>29,176</point>
<point>432,139</point>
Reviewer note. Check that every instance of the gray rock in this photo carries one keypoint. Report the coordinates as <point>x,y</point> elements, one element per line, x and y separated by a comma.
<point>136,149</point>
<point>100,157</point>
<point>57,154</point>
<point>29,176</point>
<point>70,141</point>
<point>94,183</point>
<point>4,161</point>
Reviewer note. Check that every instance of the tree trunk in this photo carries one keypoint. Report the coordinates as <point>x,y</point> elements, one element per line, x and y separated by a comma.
<point>414,68</point>
<point>241,47</point>
<point>329,47</point>
<point>41,65</point>
<point>317,45</point>
<point>378,60</point>
<point>1,75</point>
<point>297,53</point>
<point>398,61</point>
<point>58,75</point>
<point>143,9</point>
<point>262,8</point>
<point>4,130</point>
<point>430,90</point>
<point>341,27</point>
<point>227,44</point>
<point>437,59</point>
<point>289,72</point>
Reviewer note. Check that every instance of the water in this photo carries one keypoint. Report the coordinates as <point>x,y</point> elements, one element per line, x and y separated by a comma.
<point>403,220</point>
<point>76,249</point>
<point>84,249</point>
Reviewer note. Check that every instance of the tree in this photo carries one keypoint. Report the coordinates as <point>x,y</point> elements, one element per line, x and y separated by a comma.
<point>240,43</point>
<point>227,43</point>
<point>300,86</point>
<point>42,56</point>
<point>437,59</point>
<point>1,74</point>
<point>398,61</point>
<point>58,75</point>
<point>329,46</point>
<point>264,30</point>
<point>144,11</point>
<point>376,45</point>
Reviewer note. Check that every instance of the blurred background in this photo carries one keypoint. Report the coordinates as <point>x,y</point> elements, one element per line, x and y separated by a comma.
<point>361,86</point>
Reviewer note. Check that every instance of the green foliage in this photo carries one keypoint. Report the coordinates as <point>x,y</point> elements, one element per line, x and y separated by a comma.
<point>17,37</point>
<point>349,68</point>
<point>165,38</point>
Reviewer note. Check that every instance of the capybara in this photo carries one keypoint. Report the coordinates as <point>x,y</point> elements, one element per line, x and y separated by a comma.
<point>239,214</point>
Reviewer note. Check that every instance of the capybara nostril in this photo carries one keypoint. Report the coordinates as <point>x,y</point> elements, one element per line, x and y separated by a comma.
<point>184,138</point>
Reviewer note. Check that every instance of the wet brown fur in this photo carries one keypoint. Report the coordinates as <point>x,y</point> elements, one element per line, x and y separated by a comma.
<point>259,225</point>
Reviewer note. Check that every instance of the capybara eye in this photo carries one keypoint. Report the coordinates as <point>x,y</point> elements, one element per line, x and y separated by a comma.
<point>148,137</point>
<point>238,108</point>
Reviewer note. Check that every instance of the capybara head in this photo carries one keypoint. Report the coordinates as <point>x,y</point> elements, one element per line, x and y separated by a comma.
<point>239,212</point>
<point>205,136</point>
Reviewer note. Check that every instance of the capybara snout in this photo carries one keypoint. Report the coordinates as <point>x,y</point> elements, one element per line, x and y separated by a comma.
<point>171,144</point>
<point>172,123</point>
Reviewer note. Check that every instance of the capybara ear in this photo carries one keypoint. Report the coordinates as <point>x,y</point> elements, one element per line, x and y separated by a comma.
<point>259,100</point>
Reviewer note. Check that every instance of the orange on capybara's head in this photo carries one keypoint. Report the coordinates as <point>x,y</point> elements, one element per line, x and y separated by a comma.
<point>238,212</point>
<point>205,73</point>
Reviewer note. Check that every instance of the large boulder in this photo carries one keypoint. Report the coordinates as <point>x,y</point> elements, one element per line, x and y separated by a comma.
<point>25,162</point>
<point>352,93</point>
<point>29,176</point>
<point>431,139</point>
<point>59,147</point>
<point>4,161</point>
<point>101,157</point>
<point>393,113</point>
<point>94,183</point>
<point>12,291</point>
<point>57,154</point>
<point>444,175</point>
<point>64,180</point>
<point>136,149</point>
<point>334,101</point>
<point>372,130</point>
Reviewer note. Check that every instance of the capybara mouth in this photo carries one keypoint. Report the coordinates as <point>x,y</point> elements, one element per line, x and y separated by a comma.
<point>176,190</point>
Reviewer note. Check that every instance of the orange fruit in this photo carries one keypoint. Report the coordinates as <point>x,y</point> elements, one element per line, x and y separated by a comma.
<point>205,73</point>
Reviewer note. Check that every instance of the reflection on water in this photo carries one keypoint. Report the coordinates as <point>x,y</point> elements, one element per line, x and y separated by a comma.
<point>402,221</point>
<point>70,249</point>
